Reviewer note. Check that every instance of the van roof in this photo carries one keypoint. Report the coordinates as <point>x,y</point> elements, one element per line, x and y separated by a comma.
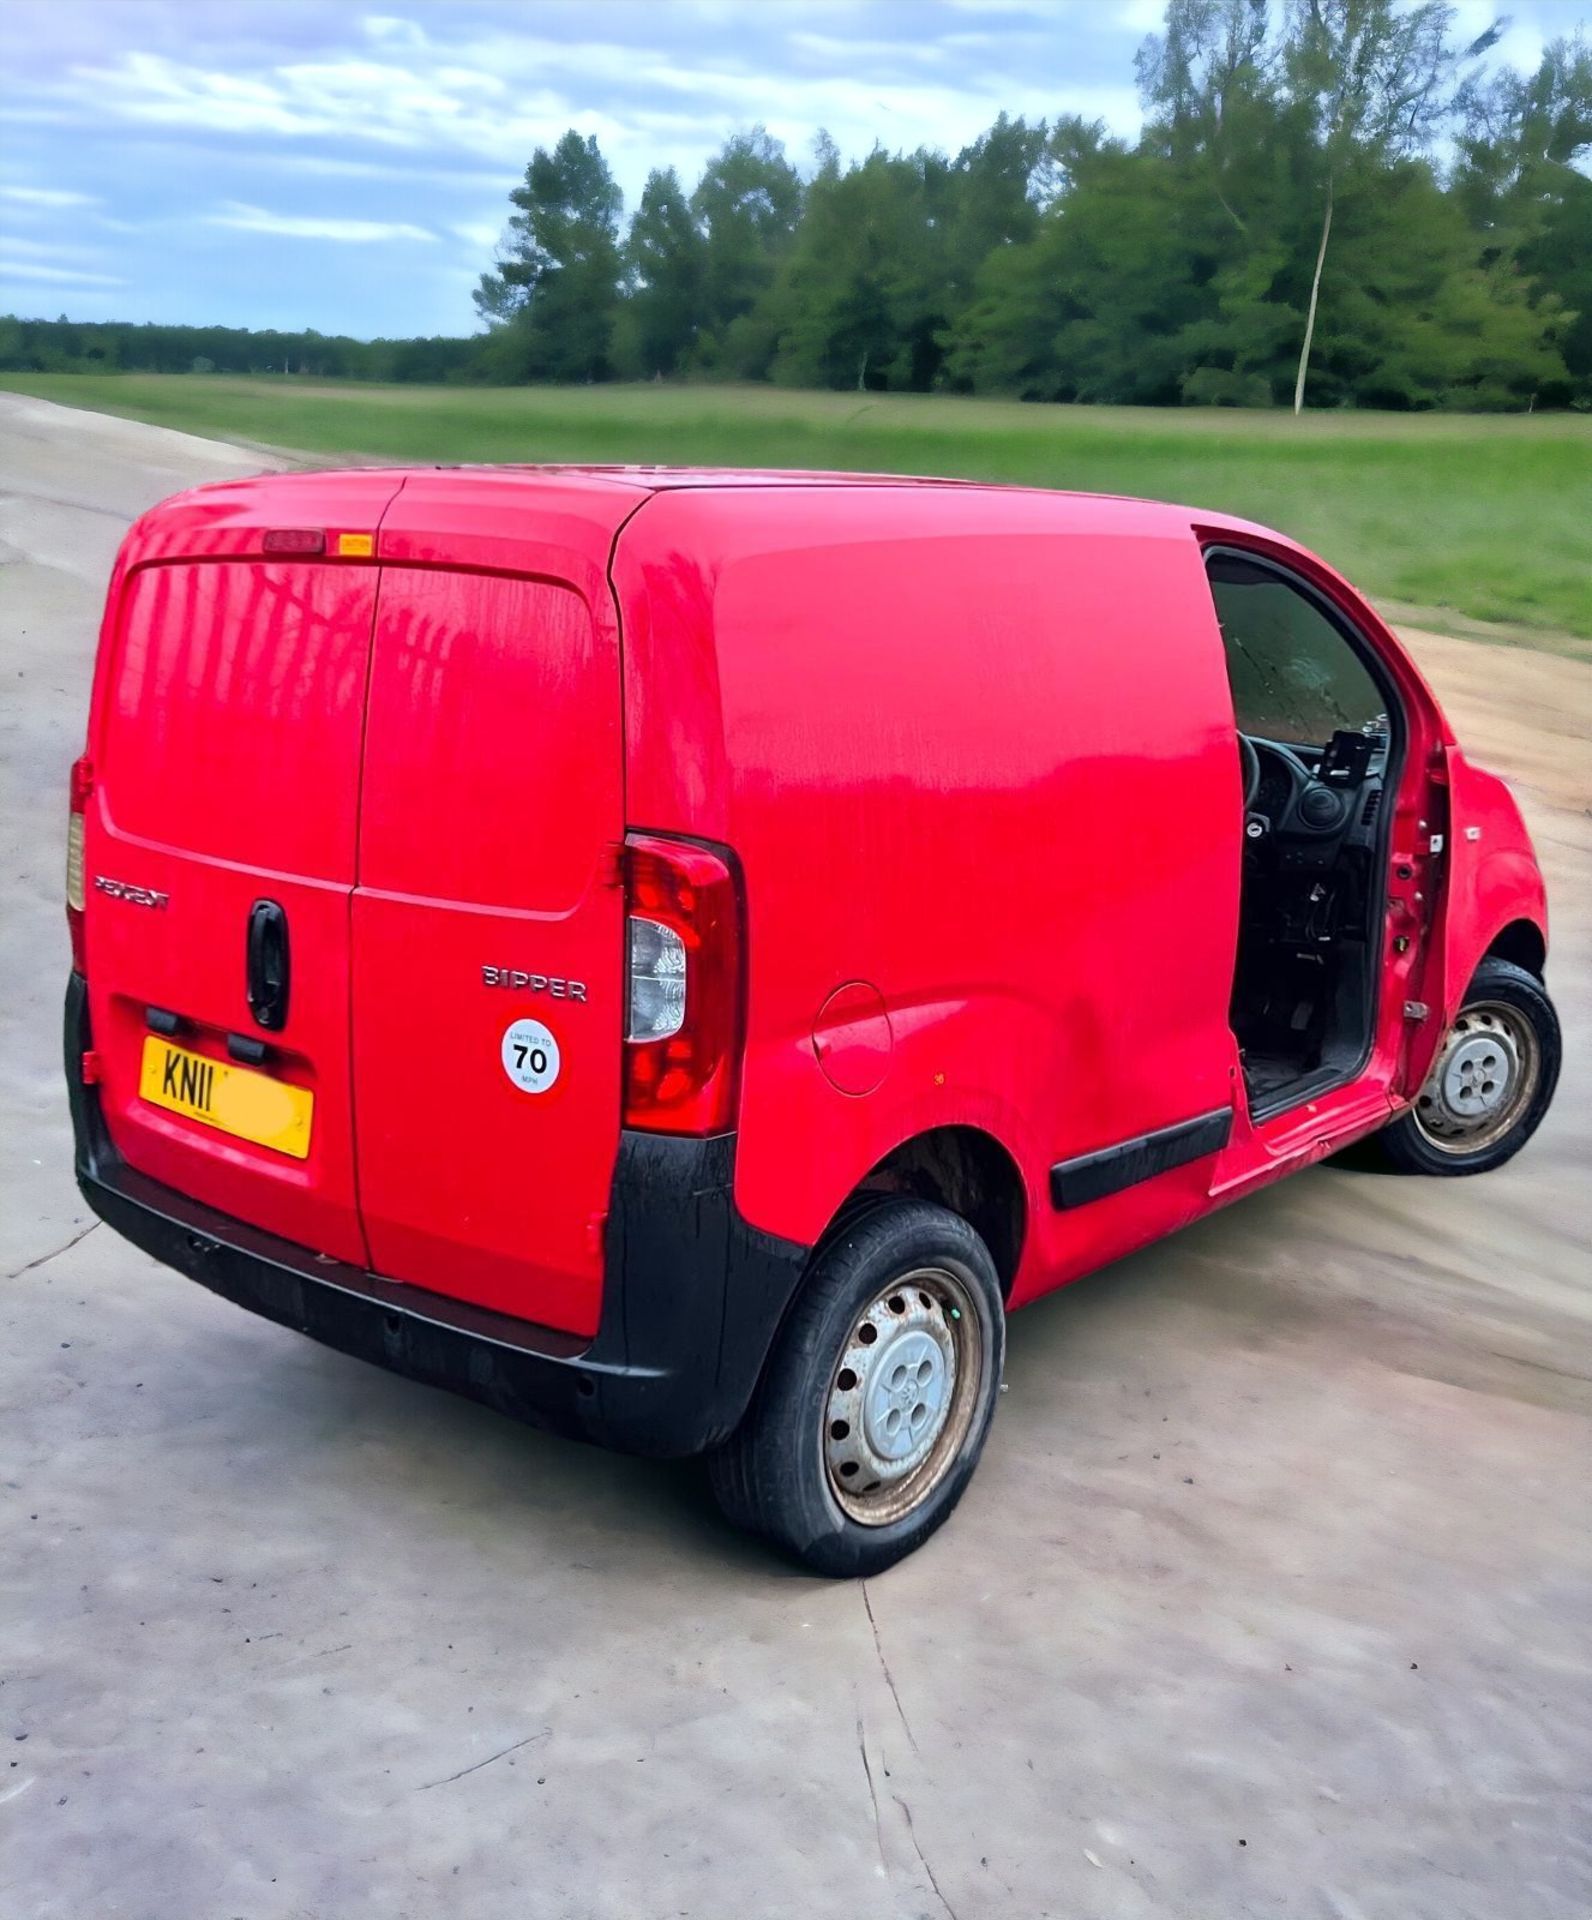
<point>659,478</point>
<point>229,516</point>
<point>663,479</point>
<point>638,477</point>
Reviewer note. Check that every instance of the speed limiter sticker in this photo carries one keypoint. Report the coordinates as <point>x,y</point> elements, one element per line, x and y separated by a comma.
<point>530,1056</point>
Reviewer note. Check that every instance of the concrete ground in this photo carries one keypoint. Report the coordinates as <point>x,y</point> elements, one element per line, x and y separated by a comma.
<point>1272,1595</point>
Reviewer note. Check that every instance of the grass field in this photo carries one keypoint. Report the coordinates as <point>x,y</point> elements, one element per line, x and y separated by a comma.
<point>1481,516</point>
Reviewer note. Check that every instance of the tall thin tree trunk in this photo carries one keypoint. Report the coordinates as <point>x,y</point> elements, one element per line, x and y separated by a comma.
<point>1315,294</point>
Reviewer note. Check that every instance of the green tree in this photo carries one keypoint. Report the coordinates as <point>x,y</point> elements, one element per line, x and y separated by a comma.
<point>1520,184</point>
<point>748,203</point>
<point>863,297</point>
<point>992,200</point>
<point>665,261</point>
<point>1095,307</point>
<point>1414,320</point>
<point>553,298</point>
<point>1215,121</point>
<point>1372,81</point>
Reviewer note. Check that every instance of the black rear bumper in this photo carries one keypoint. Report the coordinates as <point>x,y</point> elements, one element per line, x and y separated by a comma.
<point>692,1295</point>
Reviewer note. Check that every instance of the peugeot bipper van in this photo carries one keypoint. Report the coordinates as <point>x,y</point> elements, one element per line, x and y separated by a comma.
<point>680,957</point>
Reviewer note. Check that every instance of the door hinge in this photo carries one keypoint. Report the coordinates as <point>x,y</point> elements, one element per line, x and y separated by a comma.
<point>1416,1010</point>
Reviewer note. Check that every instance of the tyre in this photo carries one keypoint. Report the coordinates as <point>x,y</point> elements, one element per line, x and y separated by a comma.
<point>878,1396</point>
<point>1490,1084</point>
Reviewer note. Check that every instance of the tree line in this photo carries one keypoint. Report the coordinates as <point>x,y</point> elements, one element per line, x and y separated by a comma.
<point>1334,206</point>
<point>123,346</point>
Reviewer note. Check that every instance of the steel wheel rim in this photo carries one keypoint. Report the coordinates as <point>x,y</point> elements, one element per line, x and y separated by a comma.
<point>1482,1080</point>
<point>902,1397</point>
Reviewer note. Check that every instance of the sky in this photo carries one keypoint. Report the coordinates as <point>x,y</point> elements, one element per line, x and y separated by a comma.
<point>320,163</point>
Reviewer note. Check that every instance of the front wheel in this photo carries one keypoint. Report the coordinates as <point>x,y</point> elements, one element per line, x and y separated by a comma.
<point>878,1397</point>
<point>1490,1084</point>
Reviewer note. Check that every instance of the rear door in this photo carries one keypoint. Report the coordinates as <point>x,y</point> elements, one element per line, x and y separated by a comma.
<point>226,778</point>
<point>488,918</point>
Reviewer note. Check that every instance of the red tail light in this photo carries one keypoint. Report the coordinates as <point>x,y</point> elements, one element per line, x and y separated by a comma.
<point>683,987</point>
<point>82,787</point>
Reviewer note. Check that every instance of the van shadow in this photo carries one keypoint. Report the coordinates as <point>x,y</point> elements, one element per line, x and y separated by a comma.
<point>433,1459</point>
<point>1227,1268</point>
<point>443,1460</point>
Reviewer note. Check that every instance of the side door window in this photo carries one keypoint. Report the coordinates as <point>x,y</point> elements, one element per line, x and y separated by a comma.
<point>1294,674</point>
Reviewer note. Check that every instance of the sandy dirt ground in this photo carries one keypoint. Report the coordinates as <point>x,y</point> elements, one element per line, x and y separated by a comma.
<point>1272,1595</point>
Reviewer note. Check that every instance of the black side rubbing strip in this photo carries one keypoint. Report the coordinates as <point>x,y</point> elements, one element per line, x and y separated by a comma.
<point>1091,1176</point>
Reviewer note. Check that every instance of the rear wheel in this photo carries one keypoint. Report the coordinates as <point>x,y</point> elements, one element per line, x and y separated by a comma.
<point>1490,1084</point>
<point>878,1397</point>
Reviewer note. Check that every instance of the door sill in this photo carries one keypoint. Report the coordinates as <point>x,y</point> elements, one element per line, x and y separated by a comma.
<point>1310,1130</point>
<point>1296,1093</point>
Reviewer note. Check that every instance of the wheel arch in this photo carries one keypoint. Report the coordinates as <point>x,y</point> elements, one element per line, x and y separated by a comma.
<point>964,1169</point>
<point>1522,942</point>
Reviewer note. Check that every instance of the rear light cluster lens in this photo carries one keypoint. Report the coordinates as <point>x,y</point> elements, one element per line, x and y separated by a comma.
<point>656,995</point>
<point>76,881</point>
<point>683,987</point>
<point>74,862</point>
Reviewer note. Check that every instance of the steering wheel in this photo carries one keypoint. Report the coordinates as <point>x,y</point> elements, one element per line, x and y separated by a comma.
<point>1251,765</point>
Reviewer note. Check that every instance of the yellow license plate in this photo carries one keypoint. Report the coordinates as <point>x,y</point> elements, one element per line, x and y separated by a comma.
<point>252,1106</point>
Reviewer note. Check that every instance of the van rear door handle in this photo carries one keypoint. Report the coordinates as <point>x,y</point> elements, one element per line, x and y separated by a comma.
<point>267,964</point>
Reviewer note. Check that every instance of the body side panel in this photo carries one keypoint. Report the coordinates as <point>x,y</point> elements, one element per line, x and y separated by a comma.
<point>976,750</point>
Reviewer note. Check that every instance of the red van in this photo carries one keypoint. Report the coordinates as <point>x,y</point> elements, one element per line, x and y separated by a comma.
<point>680,956</point>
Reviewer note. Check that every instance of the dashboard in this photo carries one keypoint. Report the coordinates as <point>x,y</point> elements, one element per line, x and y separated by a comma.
<point>1311,803</point>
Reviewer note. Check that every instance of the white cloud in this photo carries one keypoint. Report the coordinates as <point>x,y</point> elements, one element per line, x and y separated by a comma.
<point>1034,9</point>
<point>48,197</point>
<point>249,219</point>
<point>331,167</point>
<point>394,32</point>
<point>830,46</point>
<point>480,234</point>
<point>57,276</point>
<point>500,95</point>
<point>46,249</point>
